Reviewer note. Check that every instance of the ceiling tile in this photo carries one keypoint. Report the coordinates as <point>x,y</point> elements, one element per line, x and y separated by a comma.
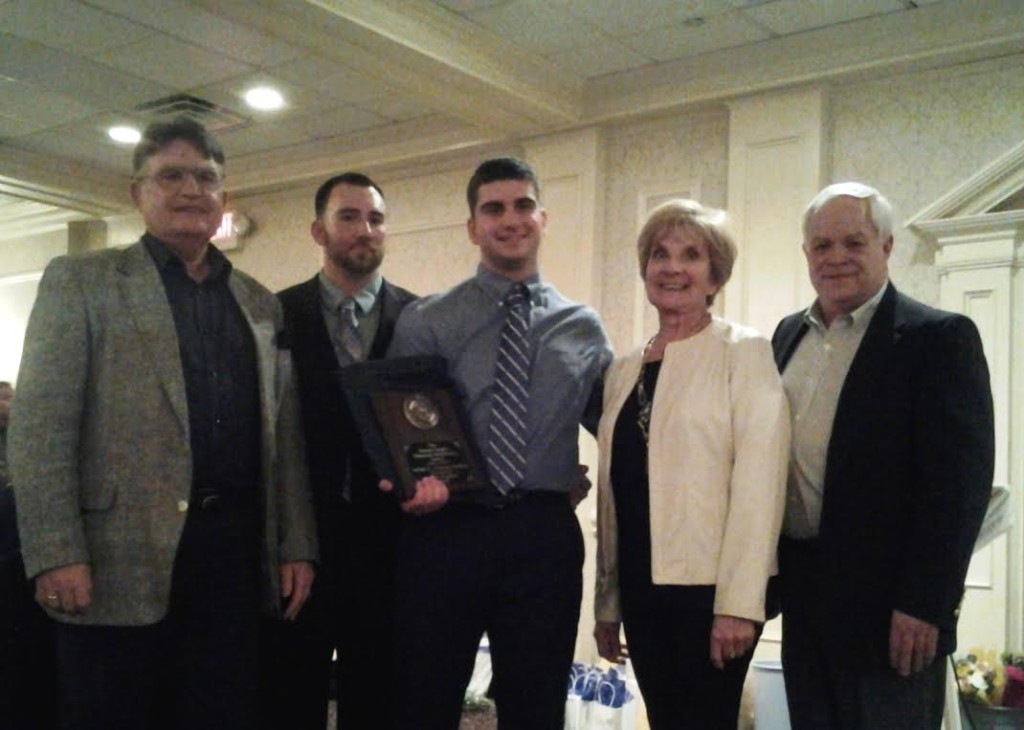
<point>75,77</point>
<point>793,16</point>
<point>37,108</point>
<point>194,25</point>
<point>84,142</point>
<point>230,94</point>
<point>592,61</point>
<point>342,120</point>
<point>11,127</point>
<point>68,25</point>
<point>332,79</point>
<point>168,61</point>
<point>465,6</point>
<point>678,41</point>
<point>258,138</point>
<point>538,25</point>
<point>627,18</point>
<point>397,108</point>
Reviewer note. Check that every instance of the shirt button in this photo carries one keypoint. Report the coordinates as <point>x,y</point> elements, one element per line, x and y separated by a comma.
<point>828,347</point>
<point>182,505</point>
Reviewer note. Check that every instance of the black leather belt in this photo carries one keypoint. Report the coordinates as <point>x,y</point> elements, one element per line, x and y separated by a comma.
<point>489,499</point>
<point>204,498</point>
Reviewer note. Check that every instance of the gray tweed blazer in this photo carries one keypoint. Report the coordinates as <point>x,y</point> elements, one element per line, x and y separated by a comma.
<point>99,444</point>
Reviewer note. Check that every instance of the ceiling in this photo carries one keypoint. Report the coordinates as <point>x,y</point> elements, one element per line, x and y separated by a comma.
<point>378,83</point>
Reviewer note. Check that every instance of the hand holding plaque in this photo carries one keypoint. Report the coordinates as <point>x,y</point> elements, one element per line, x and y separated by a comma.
<point>412,423</point>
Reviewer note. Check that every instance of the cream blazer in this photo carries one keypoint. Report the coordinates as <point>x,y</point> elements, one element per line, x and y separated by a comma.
<point>717,463</point>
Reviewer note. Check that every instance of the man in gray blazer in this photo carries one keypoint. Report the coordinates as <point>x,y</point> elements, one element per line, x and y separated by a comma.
<point>157,455</point>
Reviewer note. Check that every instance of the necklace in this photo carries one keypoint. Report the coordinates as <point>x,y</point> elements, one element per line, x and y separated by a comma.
<point>643,416</point>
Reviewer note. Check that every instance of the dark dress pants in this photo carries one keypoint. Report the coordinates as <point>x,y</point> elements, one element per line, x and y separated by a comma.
<point>668,632</point>
<point>826,688</point>
<point>515,573</point>
<point>28,673</point>
<point>352,609</point>
<point>198,668</point>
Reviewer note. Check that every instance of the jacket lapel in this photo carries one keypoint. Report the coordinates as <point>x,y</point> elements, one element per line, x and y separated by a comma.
<point>791,331</point>
<point>390,309</point>
<point>146,303</point>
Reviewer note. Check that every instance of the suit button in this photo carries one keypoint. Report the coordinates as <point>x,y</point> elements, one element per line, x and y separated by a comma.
<point>182,505</point>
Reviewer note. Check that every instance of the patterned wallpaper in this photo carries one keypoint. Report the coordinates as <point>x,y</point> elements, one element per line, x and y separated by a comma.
<point>916,136</point>
<point>652,155</point>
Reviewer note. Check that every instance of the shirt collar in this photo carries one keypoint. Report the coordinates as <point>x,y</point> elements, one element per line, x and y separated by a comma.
<point>497,286</point>
<point>334,297</point>
<point>858,318</point>
<point>164,257</point>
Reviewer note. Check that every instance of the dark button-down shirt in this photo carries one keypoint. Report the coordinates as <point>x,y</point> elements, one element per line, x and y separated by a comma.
<point>218,358</point>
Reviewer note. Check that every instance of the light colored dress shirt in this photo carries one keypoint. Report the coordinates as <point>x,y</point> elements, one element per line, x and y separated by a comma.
<point>367,311</point>
<point>570,354</point>
<point>813,380</point>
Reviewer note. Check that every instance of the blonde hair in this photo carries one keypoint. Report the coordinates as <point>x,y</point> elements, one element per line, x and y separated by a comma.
<point>709,223</point>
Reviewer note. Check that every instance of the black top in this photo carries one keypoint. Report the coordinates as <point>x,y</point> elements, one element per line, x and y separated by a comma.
<point>632,489</point>
<point>218,359</point>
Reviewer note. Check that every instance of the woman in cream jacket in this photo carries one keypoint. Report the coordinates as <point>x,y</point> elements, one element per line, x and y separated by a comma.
<point>694,443</point>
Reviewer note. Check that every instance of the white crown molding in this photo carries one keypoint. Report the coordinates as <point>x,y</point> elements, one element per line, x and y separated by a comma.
<point>967,205</point>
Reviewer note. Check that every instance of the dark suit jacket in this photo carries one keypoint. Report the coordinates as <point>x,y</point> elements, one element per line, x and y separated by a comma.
<point>908,474</point>
<point>333,442</point>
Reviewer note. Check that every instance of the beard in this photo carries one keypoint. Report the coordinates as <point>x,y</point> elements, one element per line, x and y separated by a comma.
<point>363,261</point>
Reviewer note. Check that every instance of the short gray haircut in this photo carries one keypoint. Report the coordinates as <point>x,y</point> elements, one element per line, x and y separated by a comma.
<point>878,207</point>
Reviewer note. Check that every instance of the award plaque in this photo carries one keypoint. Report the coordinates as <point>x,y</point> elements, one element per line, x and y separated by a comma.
<point>412,423</point>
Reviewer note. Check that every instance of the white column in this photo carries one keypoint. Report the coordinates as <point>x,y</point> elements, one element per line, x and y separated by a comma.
<point>979,264</point>
<point>776,165</point>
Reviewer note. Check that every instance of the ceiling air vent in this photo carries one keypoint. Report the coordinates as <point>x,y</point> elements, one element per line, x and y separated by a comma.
<point>212,116</point>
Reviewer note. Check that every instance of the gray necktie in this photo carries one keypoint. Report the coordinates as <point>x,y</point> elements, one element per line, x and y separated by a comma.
<point>350,330</point>
<point>507,439</point>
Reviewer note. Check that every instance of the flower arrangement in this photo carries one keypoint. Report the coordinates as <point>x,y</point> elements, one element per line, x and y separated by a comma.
<point>983,679</point>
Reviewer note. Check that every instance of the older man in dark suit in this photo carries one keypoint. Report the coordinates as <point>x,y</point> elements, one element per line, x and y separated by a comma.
<point>890,474</point>
<point>158,462</point>
<point>343,315</point>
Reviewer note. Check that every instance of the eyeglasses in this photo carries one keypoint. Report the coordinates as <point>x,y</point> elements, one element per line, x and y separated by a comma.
<point>172,179</point>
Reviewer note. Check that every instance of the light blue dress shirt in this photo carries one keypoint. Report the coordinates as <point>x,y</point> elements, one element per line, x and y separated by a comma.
<point>570,355</point>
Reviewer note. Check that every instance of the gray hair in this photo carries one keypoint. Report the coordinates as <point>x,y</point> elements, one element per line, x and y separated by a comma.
<point>879,209</point>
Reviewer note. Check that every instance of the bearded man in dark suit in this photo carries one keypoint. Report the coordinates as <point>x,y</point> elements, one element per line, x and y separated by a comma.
<point>890,474</point>
<point>343,315</point>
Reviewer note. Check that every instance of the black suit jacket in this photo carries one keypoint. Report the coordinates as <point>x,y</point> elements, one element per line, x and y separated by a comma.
<point>908,473</point>
<point>332,439</point>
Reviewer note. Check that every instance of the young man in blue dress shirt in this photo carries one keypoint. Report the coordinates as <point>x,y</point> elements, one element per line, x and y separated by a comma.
<point>507,562</point>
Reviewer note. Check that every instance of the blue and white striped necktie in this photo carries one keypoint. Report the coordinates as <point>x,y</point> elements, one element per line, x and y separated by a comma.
<point>506,458</point>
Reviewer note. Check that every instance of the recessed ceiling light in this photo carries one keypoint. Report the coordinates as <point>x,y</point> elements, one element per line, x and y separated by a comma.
<point>264,98</point>
<point>124,134</point>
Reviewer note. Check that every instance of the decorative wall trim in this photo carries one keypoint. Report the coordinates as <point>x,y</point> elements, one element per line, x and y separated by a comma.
<point>977,195</point>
